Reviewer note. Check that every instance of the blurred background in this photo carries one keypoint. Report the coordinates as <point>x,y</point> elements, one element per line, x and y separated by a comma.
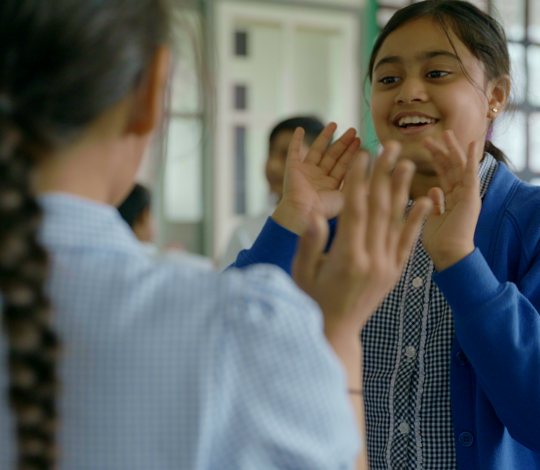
<point>241,66</point>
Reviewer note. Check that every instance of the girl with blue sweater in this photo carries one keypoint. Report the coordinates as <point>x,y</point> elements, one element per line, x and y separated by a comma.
<point>452,356</point>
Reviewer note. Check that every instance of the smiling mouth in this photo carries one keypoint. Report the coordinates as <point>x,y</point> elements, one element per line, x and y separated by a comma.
<point>414,122</point>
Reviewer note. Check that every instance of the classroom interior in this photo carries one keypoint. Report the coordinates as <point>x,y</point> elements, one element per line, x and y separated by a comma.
<point>241,66</point>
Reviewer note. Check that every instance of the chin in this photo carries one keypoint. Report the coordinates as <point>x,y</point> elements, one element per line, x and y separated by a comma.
<point>421,157</point>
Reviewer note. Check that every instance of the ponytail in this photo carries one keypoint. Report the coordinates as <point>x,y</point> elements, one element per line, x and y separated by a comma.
<point>32,344</point>
<point>497,153</point>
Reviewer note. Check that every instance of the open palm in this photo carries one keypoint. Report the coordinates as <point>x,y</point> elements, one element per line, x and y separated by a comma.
<point>313,184</point>
<point>448,234</point>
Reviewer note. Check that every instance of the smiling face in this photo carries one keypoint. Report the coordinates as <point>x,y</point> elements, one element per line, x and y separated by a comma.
<point>420,89</point>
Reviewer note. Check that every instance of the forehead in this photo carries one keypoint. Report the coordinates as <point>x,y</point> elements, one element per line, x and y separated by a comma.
<point>282,138</point>
<point>411,42</point>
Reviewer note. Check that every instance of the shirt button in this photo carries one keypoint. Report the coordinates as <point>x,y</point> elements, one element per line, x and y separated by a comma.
<point>418,282</point>
<point>461,359</point>
<point>466,439</point>
<point>404,428</point>
<point>410,351</point>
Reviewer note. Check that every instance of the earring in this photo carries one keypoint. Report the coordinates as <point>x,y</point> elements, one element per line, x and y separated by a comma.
<point>494,110</point>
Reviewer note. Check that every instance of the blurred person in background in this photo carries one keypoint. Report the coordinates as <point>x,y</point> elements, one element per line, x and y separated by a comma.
<point>279,141</point>
<point>136,210</point>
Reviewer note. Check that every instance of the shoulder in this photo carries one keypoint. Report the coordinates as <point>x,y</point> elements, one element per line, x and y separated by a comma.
<point>517,198</point>
<point>517,204</point>
<point>265,293</point>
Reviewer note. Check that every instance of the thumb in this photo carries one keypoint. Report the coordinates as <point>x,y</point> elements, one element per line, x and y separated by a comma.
<point>437,196</point>
<point>310,249</point>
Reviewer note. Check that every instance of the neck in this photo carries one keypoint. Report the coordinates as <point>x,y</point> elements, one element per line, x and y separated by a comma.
<point>102,171</point>
<point>421,184</point>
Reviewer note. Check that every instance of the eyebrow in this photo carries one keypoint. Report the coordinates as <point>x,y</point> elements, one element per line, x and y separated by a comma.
<point>394,59</point>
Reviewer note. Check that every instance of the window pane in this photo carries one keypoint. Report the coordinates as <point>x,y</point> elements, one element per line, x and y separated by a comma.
<point>534,21</point>
<point>510,135</point>
<point>185,86</point>
<point>384,15</point>
<point>240,187</point>
<point>241,43</point>
<point>534,135</point>
<point>533,60</point>
<point>511,13</point>
<point>183,172</point>
<point>394,3</point>
<point>482,4</point>
<point>240,97</point>
<point>519,76</point>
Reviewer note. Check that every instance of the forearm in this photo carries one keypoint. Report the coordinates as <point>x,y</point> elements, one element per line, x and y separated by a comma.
<point>349,351</point>
<point>498,328</point>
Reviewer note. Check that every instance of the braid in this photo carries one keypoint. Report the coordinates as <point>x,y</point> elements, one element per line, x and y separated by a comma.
<point>32,344</point>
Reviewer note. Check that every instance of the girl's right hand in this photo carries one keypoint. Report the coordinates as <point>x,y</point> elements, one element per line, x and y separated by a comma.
<point>313,185</point>
<point>372,243</point>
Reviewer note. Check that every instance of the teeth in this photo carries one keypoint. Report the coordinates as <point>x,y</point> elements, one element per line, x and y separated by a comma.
<point>415,120</point>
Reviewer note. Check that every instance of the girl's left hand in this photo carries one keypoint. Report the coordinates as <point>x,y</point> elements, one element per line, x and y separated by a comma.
<point>448,234</point>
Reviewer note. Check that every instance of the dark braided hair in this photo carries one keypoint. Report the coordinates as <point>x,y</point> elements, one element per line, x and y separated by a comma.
<point>62,64</point>
<point>483,36</point>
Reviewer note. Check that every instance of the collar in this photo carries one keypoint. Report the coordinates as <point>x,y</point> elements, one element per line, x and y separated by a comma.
<point>74,222</point>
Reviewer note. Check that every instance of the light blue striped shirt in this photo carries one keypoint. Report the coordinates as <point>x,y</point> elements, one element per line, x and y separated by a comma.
<point>165,367</point>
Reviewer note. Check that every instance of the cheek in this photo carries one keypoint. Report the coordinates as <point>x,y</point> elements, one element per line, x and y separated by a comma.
<point>380,115</point>
<point>466,115</point>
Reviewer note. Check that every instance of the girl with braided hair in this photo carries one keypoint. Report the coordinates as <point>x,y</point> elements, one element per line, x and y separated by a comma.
<point>110,360</point>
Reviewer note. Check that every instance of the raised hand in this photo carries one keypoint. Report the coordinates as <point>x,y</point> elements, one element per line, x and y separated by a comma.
<point>372,243</point>
<point>448,234</point>
<point>313,185</point>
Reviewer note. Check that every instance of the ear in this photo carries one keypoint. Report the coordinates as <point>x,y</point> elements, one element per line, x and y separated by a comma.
<point>149,96</point>
<point>500,93</point>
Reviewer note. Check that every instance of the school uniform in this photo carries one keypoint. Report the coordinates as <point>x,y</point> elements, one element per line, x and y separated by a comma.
<point>452,358</point>
<point>167,367</point>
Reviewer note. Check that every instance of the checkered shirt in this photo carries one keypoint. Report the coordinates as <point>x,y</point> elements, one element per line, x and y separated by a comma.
<point>407,351</point>
<point>166,368</point>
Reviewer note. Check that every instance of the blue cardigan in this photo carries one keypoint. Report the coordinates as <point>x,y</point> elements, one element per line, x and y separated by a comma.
<point>494,294</point>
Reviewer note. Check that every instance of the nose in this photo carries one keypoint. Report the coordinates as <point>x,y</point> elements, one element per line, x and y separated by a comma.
<point>411,90</point>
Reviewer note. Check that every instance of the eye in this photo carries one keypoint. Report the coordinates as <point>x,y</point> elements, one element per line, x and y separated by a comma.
<point>388,80</point>
<point>437,74</point>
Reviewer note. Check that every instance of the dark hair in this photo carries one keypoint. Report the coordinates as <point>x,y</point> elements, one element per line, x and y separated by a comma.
<point>62,64</point>
<point>483,36</point>
<point>135,204</point>
<point>311,125</point>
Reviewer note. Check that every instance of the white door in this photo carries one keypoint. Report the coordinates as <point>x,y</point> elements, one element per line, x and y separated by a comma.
<point>274,62</point>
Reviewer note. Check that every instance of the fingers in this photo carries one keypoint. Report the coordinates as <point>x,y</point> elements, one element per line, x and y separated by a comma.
<point>437,198</point>
<point>352,225</point>
<point>401,183</point>
<point>296,145</point>
<point>380,198</point>
<point>411,229</point>
<point>474,156</point>
<point>344,162</point>
<point>320,145</point>
<point>331,156</point>
<point>310,248</point>
<point>449,160</point>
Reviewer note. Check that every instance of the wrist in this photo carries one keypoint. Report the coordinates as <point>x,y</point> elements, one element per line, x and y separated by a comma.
<point>292,217</point>
<point>444,260</point>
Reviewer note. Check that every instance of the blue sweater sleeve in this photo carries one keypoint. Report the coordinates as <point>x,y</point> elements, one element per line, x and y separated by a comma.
<point>498,328</point>
<point>275,245</point>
